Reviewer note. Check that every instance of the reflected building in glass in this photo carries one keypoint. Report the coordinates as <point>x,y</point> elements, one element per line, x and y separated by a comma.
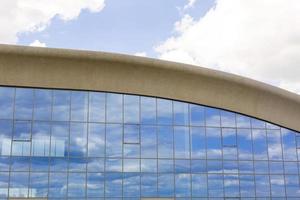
<point>73,144</point>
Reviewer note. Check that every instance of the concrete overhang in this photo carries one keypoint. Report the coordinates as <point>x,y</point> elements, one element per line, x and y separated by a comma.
<point>98,71</point>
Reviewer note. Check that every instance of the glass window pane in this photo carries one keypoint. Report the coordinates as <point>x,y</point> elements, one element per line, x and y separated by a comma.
<point>131,165</point>
<point>227,119</point>
<point>243,121</point>
<point>96,107</point>
<point>256,123</point>
<point>197,115</point>
<point>292,185</point>
<point>148,142</point>
<point>247,187</point>
<point>96,141</point>
<point>181,113</point>
<point>95,165</point>
<point>199,185</point>
<point>114,108</point>
<point>149,165</point>
<point>6,137</point>
<point>4,180</point>
<point>131,185</point>
<point>40,139</point>
<point>77,164</point>
<point>214,144</point>
<point>131,150</point>
<point>38,185</point>
<point>76,185</point>
<point>78,138</point>
<point>215,185</point>
<point>231,185</point>
<point>182,142</point>
<point>4,163</point>
<point>164,112</point>
<point>165,185</point>
<point>19,182</point>
<point>148,110</point>
<point>22,130</point>
<point>246,167</point>
<point>23,103</point>
<point>289,145</point>
<point>198,166</point>
<point>182,166</point>
<point>277,186</point>
<point>165,166</point>
<point>214,166</point>
<point>182,185</point>
<point>262,185</point>
<point>61,105</point>
<point>131,109</point>
<point>113,185</point>
<point>198,142</point>
<point>79,106</point>
<point>244,138</point>
<point>58,164</point>
<point>42,104</point>
<point>59,139</point>
<point>259,144</point>
<point>57,185</point>
<point>114,140</point>
<point>95,185</point>
<point>212,117</point>
<point>149,185</point>
<point>165,142</point>
<point>113,165</point>
<point>6,102</point>
<point>274,145</point>
<point>131,134</point>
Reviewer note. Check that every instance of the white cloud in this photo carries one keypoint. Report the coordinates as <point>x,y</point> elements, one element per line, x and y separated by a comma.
<point>17,16</point>
<point>37,43</point>
<point>259,39</point>
<point>142,54</point>
<point>190,4</point>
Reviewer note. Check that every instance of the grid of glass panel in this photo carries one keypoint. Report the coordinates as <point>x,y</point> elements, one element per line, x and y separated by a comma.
<point>62,144</point>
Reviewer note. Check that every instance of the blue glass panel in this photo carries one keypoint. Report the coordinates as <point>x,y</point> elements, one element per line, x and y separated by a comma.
<point>229,143</point>
<point>57,185</point>
<point>6,136</point>
<point>148,142</point>
<point>228,119</point>
<point>97,106</point>
<point>246,167</point>
<point>182,185</point>
<point>290,168</point>
<point>40,139</point>
<point>77,164</point>
<point>181,113</point>
<point>6,102</point>
<point>19,182</point>
<point>42,104</point>
<point>61,105</point>
<point>244,138</point>
<point>274,145</point>
<point>131,185</point>
<point>95,165</point>
<point>260,149</point>
<point>243,121</point>
<point>199,185</point>
<point>276,167</point>
<point>38,185</point>
<point>164,112</point>
<point>165,142</point>
<point>289,144</point>
<point>230,166</point>
<point>40,164</point>
<point>215,185</point>
<point>148,110</point>
<point>182,166</point>
<point>262,185</point>
<point>22,130</point>
<point>292,185</point>
<point>131,134</point>
<point>165,166</point>
<point>247,186</point>
<point>197,115</point>
<point>131,150</point>
<point>59,139</point>
<point>149,185</point>
<point>23,103</point>
<point>198,142</point>
<point>79,106</point>
<point>78,140</point>
<point>114,140</point>
<point>214,166</point>
<point>96,140</point>
<point>131,165</point>
<point>131,109</point>
<point>76,185</point>
<point>212,117</point>
<point>182,142</point>
<point>214,143</point>
<point>231,185</point>
<point>4,163</point>
<point>261,167</point>
<point>95,185</point>
<point>113,185</point>
<point>20,163</point>
<point>114,108</point>
<point>277,186</point>
<point>256,123</point>
<point>58,164</point>
<point>4,180</point>
<point>165,185</point>
<point>198,166</point>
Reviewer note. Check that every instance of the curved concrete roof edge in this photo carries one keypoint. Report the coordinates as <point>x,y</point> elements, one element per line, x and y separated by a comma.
<point>288,102</point>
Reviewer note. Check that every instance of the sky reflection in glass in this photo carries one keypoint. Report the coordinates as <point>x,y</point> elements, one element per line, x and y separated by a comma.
<point>63,144</point>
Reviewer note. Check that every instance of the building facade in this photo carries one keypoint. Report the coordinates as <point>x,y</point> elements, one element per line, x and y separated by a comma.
<point>108,133</point>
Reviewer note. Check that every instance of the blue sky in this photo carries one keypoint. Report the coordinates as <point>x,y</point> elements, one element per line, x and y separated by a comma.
<point>258,39</point>
<point>128,27</point>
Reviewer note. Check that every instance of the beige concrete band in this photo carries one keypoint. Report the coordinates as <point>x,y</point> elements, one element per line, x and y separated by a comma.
<point>86,70</point>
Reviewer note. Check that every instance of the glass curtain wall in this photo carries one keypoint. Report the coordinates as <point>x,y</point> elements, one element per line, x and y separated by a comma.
<point>63,144</point>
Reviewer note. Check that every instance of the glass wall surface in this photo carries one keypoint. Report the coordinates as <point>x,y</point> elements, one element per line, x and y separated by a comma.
<point>62,144</point>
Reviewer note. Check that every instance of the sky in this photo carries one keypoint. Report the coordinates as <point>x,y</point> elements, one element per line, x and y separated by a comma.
<point>259,39</point>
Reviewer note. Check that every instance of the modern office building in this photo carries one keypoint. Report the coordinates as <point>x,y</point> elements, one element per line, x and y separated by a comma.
<point>90,125</point>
